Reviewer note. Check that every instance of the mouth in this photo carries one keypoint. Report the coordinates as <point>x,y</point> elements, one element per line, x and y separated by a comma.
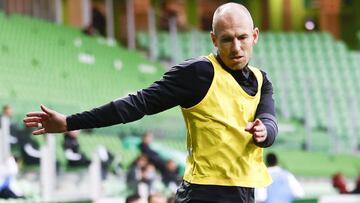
<point>236,57</point>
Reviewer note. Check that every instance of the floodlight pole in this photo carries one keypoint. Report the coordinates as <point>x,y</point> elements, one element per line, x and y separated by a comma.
<point>334,141</point>
<point>152,34</point>
<point>4,140</point>
<point>86,13</point>
<point>130,24</point>
<point>110,19</point>
<point>307,114</point>
<point>48,168</point>
<point>58,11</point>
<point>95,175</point>
<point>173,39</point>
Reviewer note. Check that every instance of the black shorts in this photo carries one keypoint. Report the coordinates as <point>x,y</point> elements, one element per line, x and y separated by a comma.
<point>195,193</point>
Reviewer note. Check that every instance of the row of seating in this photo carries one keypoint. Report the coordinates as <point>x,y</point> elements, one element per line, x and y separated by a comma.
<point>41,62</point>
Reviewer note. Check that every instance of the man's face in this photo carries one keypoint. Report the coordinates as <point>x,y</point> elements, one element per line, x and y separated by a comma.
<point>8,111</point>
<point>234,38</point>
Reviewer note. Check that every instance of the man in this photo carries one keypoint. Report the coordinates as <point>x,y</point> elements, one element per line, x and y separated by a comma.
<point>227,107</point>
<point>151,154</point>
<point>7,126</point>
<point>284,188</point>
<point>73,154</point>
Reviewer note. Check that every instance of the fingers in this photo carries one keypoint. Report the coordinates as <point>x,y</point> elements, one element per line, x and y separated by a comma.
<point>37,114</point>
<point>260,138</point>
<point>257,122</point>
<point>249,126</point>
<point>257,129</point>
<point>257,125</point>
<point>45,109</point>
<point>32,124</point>
<point>39,132</point>
<point>33,119</point>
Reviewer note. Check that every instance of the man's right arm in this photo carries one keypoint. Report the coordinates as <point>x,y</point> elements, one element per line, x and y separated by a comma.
<point>179,86</point>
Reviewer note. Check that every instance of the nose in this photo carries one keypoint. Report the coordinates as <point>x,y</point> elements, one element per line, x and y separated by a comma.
<point>236,45</point>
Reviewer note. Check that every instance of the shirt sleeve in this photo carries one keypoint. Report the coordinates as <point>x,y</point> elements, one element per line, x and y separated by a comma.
<point>296,189</point>
<point>266,112</point>
<point>181,85</point>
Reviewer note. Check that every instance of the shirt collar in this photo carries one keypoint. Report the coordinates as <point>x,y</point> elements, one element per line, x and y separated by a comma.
<point>245,72</point>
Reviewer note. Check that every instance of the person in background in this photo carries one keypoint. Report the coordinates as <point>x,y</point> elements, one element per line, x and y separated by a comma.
<point>157,198</point>
<point>135,198</point>
<point>106,158</point>
<point>8,171</point>
<point>73,154</point>
<point>29,150</point>
<point>356,190</point>
<point>285,187</point>
<point>339,183</point>
<point>168,168</point>
<point>152,155</point>
<point>171,177</point>
<point>5,120</point>
<point>134,174</point>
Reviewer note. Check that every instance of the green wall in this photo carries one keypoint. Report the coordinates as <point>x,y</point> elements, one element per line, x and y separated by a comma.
<point>350,23</point>
<point>297,15</point>
<point>276,15</point>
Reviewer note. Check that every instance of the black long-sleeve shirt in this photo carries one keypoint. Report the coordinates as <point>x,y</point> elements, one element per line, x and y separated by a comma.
<point>186,85</point>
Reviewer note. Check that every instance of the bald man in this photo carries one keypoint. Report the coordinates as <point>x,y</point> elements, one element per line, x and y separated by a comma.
<point>227,106</point>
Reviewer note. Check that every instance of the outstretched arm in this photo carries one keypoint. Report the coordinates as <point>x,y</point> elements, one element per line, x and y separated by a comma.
<point>182,85</point>
<point>47,120</point>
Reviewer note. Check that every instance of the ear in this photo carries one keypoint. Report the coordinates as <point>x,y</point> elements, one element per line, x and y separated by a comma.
<point>255,35</point>
<point>213,38</point>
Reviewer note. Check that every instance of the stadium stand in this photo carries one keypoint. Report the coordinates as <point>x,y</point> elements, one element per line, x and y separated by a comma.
<point>70,72</point>
<point>65,69</point>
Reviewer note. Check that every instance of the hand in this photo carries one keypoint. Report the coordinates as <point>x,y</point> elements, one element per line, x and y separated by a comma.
<point>257,129</point>
<point>47,120</point>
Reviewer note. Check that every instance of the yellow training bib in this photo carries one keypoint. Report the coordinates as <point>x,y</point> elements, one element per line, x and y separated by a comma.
<point>221,152</point>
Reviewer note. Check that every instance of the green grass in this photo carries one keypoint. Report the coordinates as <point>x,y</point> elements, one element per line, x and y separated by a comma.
<point>317,164</point>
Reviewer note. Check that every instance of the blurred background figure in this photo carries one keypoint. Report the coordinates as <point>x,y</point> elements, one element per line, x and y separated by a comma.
<point>135,198</point>
<point>284,188</point>
<point>6,121</point>
<point>8,173</point>
<point>157,198</point>
<point>73,154</point>
<point>106,158</point>
<point>152,155</point>
<point>339,183</point>
<point>357,186</point>
<point>29,149</point>
<point>171,177</point>
<point>134,173</point>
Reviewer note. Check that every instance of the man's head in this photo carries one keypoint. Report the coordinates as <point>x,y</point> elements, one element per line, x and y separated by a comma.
<point>7,110</point>
<point>234,34</point>
<point>147,137</point>
<point>157,198</point>
<point>134,199</point>
<point>73,133</point>
<point>271,160</point>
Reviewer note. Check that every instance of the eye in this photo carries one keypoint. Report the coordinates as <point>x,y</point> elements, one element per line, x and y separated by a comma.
<point>243,37</point>
<point>226,39</point>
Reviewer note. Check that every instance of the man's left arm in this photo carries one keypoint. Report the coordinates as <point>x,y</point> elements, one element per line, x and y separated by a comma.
<point>266,113</point>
